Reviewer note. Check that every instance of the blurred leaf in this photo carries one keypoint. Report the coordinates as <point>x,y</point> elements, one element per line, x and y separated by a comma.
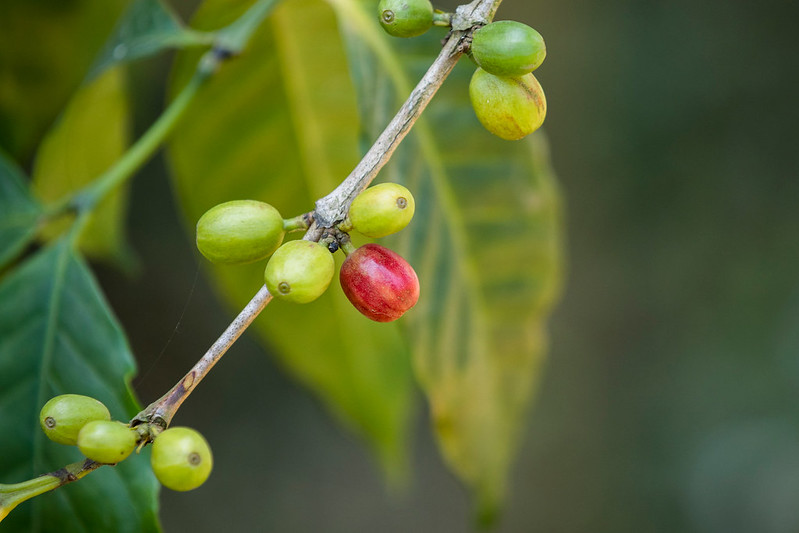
<point>57,335</point>
<point>19,212</point>
<point>91,135</point>
<point>279,124</point>
<point>235,37</point>
<point>146,28</point>
<point>485,241</point>
<point>45,49</point>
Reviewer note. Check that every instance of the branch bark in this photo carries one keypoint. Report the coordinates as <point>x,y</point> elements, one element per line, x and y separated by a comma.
<point>329,211</point>
<point>333,208</point>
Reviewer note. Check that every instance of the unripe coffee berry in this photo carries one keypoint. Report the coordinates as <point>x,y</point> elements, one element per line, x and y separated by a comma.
<point>510,108</point>
<point>181,459</point>
<point>241,231</point>
<point>508,48</point>
<point>379,283</point>
<point>405,18</point>
<point>63,417</point>
<point>382,210</point>
<point>107,442</point>
<point>299,271</point>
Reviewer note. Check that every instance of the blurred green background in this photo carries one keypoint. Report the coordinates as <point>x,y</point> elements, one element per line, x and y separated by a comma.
<point>669,399</point>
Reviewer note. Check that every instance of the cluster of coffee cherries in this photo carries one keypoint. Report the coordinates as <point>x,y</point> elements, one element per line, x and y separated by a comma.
<point>377,281</point>
<point>506,97</point>
<point>181,458</point>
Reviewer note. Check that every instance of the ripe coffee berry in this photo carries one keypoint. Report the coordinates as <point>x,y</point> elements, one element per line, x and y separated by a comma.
<point>63,417</point>
<point>181,459</point>
<point>379,283</point>
<point>508,48</point>
<point>510,108</point>
<point>405,18</point>
<point>241,231</point>
<point>300,271</point>
<point>382,210</point>
<point>106,442</point>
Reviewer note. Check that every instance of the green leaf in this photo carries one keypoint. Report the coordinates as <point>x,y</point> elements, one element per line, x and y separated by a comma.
<point>279,124</point>
<point>235,37</point>
<point>146,28</point>
<point>57,335</point>
<point>19,212</point>
<point>485,241</point>
<point>91,135</point>
<point>45,51</point>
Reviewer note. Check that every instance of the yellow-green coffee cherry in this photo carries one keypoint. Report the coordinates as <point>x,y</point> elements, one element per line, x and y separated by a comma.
<point>300,271</point>
<point>107,442</point>
<point>241,231</point>
<point>405,18</point>
<point>63,417</point>
<point>508,48</point>
<point>181,459</point>
<point>510,108</point>
<point>382,210</point>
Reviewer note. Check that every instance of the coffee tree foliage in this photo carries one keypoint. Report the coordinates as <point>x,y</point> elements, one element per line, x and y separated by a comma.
<point>278,102</point>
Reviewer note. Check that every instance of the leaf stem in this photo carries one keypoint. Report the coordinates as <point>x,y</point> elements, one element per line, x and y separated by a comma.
<point>144,148</point>
<point>13,495</point>
<point>441,18</point>
<point>300,222</point>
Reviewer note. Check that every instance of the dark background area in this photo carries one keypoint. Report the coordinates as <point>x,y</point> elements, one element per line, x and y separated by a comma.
<point>669,400</point>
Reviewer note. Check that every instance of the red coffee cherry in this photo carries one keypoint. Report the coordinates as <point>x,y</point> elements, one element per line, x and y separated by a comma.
<point>379,283</point>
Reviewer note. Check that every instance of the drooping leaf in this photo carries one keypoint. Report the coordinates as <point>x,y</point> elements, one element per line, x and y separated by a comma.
<point>146,28</point>
<point>19,211</point>
<point>279,124</point>
<point>485,241</point>
<point>45,50</point>
<point>90,136</point>
<point>57,336</point>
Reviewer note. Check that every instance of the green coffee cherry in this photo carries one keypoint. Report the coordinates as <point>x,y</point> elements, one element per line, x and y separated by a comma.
<point>510,108</point>
<point>181,459</point>
<point>241,231</point>
<point>107,442</point>
<point>382,210</point>
<point>300,271</point>
<point>405,18</point>
<point>508,48</point>
<point>63,417</point>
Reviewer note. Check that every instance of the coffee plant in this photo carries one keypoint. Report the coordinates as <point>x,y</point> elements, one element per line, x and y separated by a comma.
<point>460,285</point>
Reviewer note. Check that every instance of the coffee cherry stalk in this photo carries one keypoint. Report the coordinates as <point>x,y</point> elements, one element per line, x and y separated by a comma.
<point>377,281</point>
